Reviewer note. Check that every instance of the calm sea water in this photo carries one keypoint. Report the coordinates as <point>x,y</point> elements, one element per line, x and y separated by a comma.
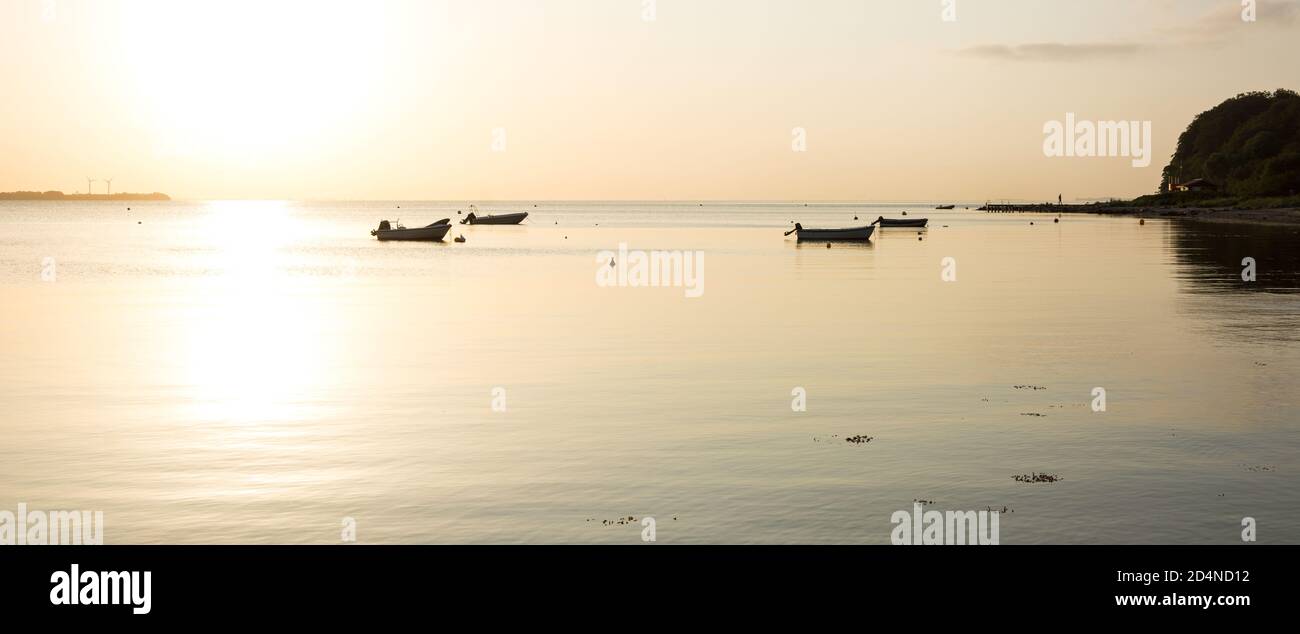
<point>254,372</point>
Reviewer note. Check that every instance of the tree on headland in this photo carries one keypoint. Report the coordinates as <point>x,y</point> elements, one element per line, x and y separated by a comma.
<point>1248,146</point>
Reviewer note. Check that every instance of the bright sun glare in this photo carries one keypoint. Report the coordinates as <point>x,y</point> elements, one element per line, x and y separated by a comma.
<point>240,79</point>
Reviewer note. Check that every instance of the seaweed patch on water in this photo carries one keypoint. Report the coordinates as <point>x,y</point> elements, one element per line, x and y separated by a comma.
<point>1028,387</point>
<point>856,440</point>
<point>622,521</point>
<point>1033,414</point>
<point>1259,467</point>
<point>1037,477</point>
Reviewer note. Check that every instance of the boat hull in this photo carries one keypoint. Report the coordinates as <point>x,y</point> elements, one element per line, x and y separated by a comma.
<point>830,235</point>
<point>502,219</point>
<point>917,223</point>
<point>433,233</point>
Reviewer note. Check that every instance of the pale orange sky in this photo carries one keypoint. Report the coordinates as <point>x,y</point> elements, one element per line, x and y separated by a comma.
<point>342,99</point>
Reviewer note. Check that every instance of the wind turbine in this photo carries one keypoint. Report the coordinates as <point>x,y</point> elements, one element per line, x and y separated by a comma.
<point>90,185</point>
<point>110,185</point>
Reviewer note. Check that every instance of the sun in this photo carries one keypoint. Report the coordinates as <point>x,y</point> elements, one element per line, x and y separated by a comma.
<point>235,79</point>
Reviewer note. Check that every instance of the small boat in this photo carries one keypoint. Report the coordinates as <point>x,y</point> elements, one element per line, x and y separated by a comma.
<point>432,233</point>
<point>946,207</point>
<point>895,222</point>
<point>851,233</point>
<point>501,219</point>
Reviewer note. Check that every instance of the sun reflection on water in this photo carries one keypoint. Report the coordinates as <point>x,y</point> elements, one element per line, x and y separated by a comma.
<point>252,342</point>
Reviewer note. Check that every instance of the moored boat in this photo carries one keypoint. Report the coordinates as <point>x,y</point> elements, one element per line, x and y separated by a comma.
<point>432,233</point>
<point>850,233</point>
<point>898,222</point>
<point>946,207</point>
<point>500,219</point>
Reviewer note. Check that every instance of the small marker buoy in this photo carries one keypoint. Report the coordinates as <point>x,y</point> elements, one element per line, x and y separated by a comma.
<point>828,245</point>
<point>138,222</point>
<point>611,263</point>
<point>1142,221</point>
<point>919,238</point>
<point>855,217</point>
<point>1031,223</point>
<point>904,213</point>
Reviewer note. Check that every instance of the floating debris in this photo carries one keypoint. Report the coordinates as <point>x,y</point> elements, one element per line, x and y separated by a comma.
<point>1259,467</point>
<point>922,502</point>
<point>1029,387</point>
<point>1033,414</point>
<point>859,440</point>
<point>1037,477</point>
<point>1004,509</point>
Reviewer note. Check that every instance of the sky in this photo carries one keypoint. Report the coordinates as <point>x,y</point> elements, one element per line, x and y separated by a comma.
<point>881,100</point>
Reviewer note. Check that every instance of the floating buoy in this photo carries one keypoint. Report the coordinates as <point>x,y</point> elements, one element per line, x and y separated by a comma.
<point>855,217</point>
<point>611,263</point>
<point>460,238</point>
<point>904,213</point>
<point>1055,220</point>
<point>1142,221</point>
<point>828,245</point>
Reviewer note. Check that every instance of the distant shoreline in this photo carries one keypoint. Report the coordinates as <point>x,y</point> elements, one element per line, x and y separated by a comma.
<point>60,196</point>
<point>1270,216</point>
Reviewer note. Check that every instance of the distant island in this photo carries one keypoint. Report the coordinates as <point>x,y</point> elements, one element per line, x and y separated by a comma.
<point>56,195</point>
<point>1236,162</point>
